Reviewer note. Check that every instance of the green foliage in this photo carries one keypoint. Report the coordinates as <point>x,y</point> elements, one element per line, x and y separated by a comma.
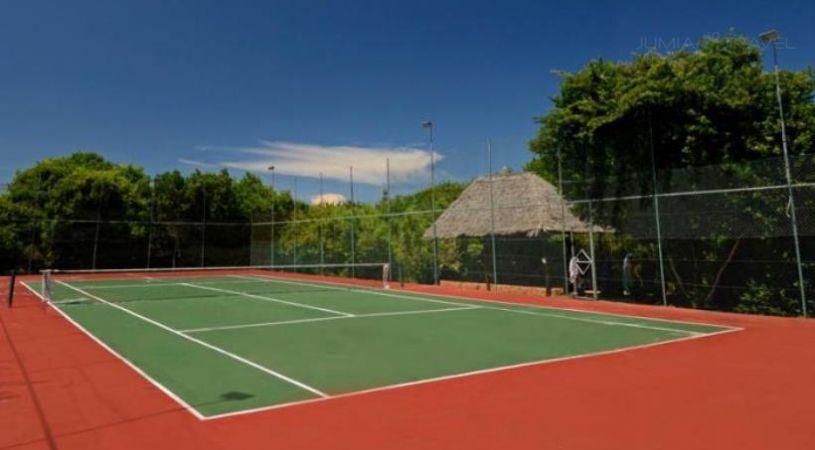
<point>760,298</point>
<point>712,106</point>
<point>54,212</point>
<point>14,222</point>
<point>81,186</point>
<point>412,251</point>
<point>691,110</point>
<point>372,225</point>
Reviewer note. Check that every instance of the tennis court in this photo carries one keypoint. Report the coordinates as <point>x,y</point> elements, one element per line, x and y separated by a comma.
<point>232,342</point>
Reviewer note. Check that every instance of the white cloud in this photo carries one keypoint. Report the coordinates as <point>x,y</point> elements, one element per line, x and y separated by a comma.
<point>329,198</point>
<point>199,164</point>
<point>308,160</point>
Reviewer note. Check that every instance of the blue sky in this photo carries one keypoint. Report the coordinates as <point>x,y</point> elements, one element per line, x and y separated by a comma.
<point>315,86</point>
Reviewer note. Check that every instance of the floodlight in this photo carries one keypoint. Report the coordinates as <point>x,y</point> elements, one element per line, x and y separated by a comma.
<point>769,36</point>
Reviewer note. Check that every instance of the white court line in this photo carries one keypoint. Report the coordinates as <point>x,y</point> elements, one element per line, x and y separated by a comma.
<point>267,279</point>
<point>322,319</point>
<point>200,342</point>
<point>81,284</point>
<point>467,374</point>
<point>558,316</point>
<point>602,322</point>
<point>268,299</point>
<point>116,354</point>
<point>402,385</point>
<point>415,296</point>
<point>518,311</point>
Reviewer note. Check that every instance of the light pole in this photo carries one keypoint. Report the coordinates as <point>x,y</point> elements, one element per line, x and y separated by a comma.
<point>430,126</point>
<point>771,37</point>
<point>271,235</point>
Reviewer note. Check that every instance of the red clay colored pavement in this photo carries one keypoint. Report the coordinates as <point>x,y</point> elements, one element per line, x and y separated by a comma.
<point>751,389</point>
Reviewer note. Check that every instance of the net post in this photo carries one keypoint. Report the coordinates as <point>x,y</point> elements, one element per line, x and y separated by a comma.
<point>386,271</point>
<point>12,278</point>
<point>46,285</point>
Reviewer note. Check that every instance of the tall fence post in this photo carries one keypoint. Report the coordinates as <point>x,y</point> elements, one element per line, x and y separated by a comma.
<point>272,224</point>
<point>433,209</point>
<point>656,210</point>
<point>152,219</point>
<point>252,259</point>
<point>353,225</point>
<point>388,211</point>
<point>31,247</point>
<point>294,223</point>
<point>594,293</point>
<point>149,243</point>
<point>320,225</point>
<point>492,218</point>
<point>203,226</point>
<point>96,236</point>
<point>563,220</point>
<point>788,173</point>
<point>271,241</point>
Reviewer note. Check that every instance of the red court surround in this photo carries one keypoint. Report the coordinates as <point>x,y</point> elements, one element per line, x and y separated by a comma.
<point>753,389</point>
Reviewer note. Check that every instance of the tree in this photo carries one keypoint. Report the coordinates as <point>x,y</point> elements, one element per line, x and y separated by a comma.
<point>69,196</point>
<point>708,107</point>
<point>712,107</point>
<point>16,234</point>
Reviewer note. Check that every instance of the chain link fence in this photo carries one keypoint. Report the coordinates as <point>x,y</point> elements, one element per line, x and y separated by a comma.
<point>711,237</point>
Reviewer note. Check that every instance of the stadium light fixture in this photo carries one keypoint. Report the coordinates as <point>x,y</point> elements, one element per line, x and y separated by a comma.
<point>769,36</point>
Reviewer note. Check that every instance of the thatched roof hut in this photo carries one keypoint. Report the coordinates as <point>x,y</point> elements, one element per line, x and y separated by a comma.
<point>525,204</point>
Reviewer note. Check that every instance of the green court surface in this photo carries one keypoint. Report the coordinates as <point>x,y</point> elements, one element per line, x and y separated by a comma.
<point>226,344</point>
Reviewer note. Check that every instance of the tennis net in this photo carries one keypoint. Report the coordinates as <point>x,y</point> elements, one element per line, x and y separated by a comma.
<point>131,285</point>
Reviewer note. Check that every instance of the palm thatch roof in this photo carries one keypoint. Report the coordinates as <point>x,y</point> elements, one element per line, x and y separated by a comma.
<point>524,204</point>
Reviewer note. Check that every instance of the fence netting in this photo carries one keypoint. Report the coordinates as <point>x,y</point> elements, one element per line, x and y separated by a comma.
<point>717,237</point>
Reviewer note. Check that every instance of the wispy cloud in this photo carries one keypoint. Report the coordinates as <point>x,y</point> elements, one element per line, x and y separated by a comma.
<point>309,160</point>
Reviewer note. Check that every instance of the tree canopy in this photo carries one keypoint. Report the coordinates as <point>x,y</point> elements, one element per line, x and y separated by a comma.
<point>82,211</point>
<point>711,106</point>
<point>705,119</point>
